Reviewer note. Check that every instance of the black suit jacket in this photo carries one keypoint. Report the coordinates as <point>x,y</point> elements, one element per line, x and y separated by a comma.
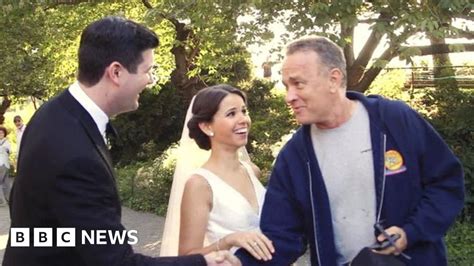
<point>66,179</point>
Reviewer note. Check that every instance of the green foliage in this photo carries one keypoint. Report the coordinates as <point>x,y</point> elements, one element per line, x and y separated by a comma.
<point>391,85</point>
<point>397,19</point>
<point>392,26</point>
<point>49,35</point>
<point>40,37</point>
<point>232,67</point>
<point>146,186</point>
<point>43,37</point>
<point>39,43</point>
<point>455,122</point>
<point>460,244</point>
<point>63,25</point>
<point>207,32</point>
<point>450,112</point>
<point>271,120</point>
<point>23,63</point>
<point>148,131</point>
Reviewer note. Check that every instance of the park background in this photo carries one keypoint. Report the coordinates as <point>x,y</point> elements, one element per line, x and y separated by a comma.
<point>420,52</point>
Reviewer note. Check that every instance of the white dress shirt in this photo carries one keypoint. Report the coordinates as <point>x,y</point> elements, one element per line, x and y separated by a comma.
<point>99,116</point>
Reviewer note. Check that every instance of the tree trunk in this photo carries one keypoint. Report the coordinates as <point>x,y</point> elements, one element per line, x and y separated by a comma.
<point>185,50</point>
<point>186,86</point>
<point>356,71</point>
<point>444,74</point>
<point>178,76</point>
<point>359,77</point>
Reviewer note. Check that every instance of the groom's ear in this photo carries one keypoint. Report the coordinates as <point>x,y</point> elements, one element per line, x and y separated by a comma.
<point>113,72</point>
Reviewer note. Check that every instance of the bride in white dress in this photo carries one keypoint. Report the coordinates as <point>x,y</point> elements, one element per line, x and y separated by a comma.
<point>222,199</point>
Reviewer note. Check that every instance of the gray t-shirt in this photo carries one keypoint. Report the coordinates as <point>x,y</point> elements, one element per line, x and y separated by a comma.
<point>345,158</point>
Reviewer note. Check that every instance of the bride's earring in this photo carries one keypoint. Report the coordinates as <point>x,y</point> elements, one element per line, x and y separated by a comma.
<point>211,134</point>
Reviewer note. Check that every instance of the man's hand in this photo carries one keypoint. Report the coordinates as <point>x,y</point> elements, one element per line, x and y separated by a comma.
<point>222,258</point>
<point>401,243</point>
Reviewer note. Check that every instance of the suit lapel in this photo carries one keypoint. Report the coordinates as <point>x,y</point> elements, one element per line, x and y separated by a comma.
<point>85,119</point>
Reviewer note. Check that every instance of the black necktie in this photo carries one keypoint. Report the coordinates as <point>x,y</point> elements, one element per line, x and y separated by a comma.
<point>110,131</point>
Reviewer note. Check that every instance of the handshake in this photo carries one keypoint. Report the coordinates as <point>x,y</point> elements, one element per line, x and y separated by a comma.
<point>222,258</point>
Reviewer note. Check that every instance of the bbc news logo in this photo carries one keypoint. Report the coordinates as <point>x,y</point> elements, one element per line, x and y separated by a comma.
<point>66,237</point>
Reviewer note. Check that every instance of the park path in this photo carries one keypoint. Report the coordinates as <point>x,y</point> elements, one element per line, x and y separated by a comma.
<point>148,226</point>
<point>4,226</point>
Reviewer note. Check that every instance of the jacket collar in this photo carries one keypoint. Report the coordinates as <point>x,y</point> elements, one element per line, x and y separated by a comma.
<point>90,127</point>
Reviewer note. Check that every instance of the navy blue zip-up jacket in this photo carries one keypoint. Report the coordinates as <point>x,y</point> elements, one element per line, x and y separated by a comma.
<point>423,197</point>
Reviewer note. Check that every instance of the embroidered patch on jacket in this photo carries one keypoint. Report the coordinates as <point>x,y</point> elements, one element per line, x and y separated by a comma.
<point>394,163</point>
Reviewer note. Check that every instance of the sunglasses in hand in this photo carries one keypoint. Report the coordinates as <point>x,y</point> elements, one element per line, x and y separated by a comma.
<point>388,242</point>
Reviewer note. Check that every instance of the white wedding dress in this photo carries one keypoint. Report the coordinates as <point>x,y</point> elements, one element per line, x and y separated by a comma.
<point>231,212</point>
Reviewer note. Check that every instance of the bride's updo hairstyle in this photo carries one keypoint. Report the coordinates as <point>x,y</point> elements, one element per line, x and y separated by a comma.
<point>205,106</point>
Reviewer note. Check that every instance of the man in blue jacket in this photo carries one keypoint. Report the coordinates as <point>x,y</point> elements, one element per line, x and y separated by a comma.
<point>357,161</point>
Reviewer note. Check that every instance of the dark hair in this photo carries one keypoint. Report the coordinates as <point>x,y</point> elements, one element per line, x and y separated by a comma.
<point>330,54</point>
<point>206,104</point>
<point>4,129</point>
<point>112,39</point>
<point>17,118</point>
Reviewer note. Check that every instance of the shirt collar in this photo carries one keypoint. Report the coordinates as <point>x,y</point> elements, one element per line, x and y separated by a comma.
<point>99,116</point>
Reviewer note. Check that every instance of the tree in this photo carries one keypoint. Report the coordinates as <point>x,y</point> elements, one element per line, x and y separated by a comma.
<point>444,74</point>
<point>23,65</point>
<point>397,22</point>
<point>204,44</point>
<point>197,33</point>
<point>198,48</point>
<point>39,41</point>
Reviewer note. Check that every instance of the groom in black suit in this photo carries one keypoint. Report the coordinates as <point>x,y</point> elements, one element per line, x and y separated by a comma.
<point>65,174</point>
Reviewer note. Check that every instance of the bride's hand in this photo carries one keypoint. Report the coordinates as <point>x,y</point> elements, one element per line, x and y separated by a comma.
<point>255,243</point>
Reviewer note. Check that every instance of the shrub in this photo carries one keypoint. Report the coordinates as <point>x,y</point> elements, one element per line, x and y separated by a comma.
<point>145,133</point>
<point>271,120</point>
<point>460,244</point>
<point>450,112</point>
<point>146,186</point>
<point>390,84</point>
<point>455,122</point>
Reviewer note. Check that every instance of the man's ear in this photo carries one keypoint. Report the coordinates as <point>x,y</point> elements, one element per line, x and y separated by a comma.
<point>114,71</point>
<point>335,77</point>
